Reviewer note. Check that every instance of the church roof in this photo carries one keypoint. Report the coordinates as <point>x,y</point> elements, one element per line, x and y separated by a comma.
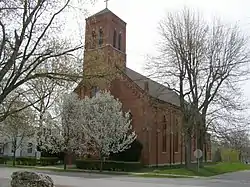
<point>105,11</point>
<point>156,89</point>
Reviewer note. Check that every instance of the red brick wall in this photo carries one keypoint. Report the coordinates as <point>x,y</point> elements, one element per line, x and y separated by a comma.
<point>169,154</point>
<point>108,22</point>
<point>137,105</point>
<point>147,118</point>
<point>147,113</point>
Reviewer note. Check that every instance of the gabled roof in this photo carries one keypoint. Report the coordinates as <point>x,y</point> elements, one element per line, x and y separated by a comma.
<point>105,11</point>
<point>156,89</point>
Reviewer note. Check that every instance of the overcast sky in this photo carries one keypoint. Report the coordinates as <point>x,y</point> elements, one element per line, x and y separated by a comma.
<point>143,16</point>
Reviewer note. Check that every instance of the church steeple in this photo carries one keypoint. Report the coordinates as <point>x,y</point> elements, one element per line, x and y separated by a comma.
<point>105,40</point>
<point>105,28</point>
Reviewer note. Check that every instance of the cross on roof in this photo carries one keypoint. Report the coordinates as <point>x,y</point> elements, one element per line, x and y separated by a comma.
<point>106,1</point>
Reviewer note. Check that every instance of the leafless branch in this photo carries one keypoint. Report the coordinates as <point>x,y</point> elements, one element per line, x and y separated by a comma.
<point>203,64</point>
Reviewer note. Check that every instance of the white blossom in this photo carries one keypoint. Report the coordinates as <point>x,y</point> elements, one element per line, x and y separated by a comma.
<point>105,124</point>
<point>64,135</point>
<point>91,125</point>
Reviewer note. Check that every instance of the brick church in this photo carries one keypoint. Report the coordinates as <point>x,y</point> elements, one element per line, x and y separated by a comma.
<point>154,108</point>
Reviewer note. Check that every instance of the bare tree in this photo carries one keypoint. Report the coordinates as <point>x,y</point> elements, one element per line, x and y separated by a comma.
<point>18,128</point>
<point>31,38</point>
<point>236,139</point>
<point>8,106</point>
<point>202,62</point>
<point>47,91</point>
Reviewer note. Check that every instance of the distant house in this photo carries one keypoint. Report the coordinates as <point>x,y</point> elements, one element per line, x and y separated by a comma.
<point>245,155</point>
<point>27,149</point>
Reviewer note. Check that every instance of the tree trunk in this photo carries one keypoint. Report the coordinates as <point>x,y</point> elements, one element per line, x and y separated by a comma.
<point>101,162</point>
<point>205,153</point>
<point>170,149</point>
<point>65,161</point>
<point>181,149</point>
<point>156,152</point>
<point>200,145</point>
<point>240,156</point>
<point>187,150</point>
<point>14,158</point>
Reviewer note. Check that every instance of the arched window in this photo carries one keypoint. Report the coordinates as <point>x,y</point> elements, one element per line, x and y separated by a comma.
<point>176,136</point>
<point>164,135</point>
<point>194,142</point>
<point>130,118</point>
<point>100,37</point>
<point>30,146</point>
<point>94,91</point>
<point>93,34</point>
<point>114,38</point>
<point>93,41</point>
<point>119,41</point>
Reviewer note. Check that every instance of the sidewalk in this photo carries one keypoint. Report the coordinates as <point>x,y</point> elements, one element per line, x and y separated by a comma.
<point>117,172</point>
<point>54,168</point>
<point>75,170</point>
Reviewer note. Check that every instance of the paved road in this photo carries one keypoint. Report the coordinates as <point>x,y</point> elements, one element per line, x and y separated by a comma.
<point>243,176</point>
<point>240,179</point>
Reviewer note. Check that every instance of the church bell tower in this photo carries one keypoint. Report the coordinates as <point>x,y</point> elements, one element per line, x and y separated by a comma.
<point>105,44</point>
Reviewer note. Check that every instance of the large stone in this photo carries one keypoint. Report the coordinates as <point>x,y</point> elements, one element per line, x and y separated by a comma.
<point>30,179</point>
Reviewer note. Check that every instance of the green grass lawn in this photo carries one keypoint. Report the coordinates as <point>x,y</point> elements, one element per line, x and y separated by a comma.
<point>153,175</point>
<point>206,171</point>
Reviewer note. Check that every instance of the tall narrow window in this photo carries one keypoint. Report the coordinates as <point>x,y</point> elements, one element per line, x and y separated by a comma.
<point>176,136</point>
<point>30,145</point>
<point>176,145</point>
<point>100,37</point>
<point>208,142</point>
<point>93,40</point>
<point>114,38</point>
<point>94,91</point>
<point>119,41</point>
<point>194,142</point>
<point>164,135</point>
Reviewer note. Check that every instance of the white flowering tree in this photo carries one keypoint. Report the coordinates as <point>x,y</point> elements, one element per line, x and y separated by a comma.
<point>64,135</point>
<point>87,126</point>
<point>106,125</point>
<point>18,128</point>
